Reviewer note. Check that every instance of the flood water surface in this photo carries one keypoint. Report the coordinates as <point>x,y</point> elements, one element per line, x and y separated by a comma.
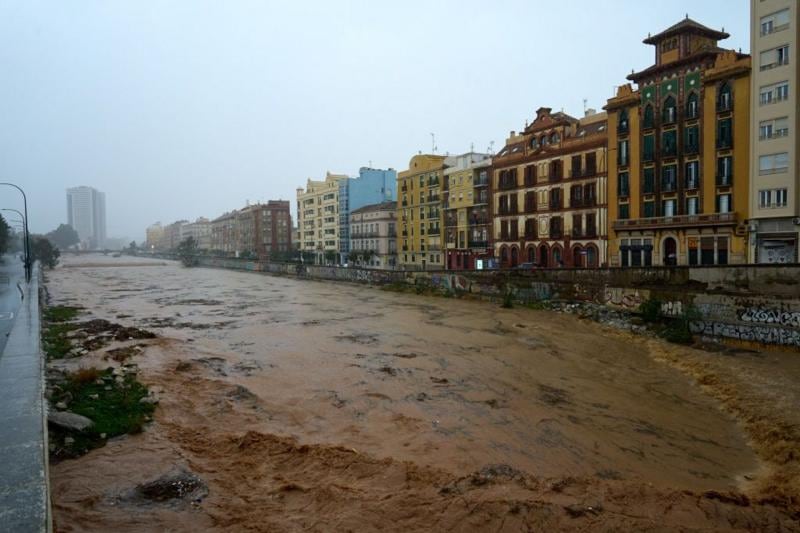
<point>360,391</point>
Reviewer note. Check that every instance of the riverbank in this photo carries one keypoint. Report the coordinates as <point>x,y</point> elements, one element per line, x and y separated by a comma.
<point>305,406</point>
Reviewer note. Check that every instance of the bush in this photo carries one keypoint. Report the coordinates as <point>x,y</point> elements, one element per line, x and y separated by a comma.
<point>508,298</point>
<point>650,310</point>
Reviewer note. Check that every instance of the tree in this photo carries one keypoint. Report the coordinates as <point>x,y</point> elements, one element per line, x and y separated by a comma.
<point>43,250</point>
<point>5,235</point>
<point>330,256</point>
<point>63,236</point>
<point>132,248</point>
<point>187,251</point>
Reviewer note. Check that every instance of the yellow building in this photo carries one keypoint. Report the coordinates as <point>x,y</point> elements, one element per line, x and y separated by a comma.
<point>420,214</point>
<point>318,218</point>
<point>466,211</point>
<point>678,160</point>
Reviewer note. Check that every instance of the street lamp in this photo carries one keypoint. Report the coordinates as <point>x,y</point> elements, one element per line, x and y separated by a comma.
<point>25,243</point>
<point>28,263</point>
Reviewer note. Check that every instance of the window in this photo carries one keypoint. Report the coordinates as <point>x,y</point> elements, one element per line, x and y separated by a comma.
<point>724,170</point>
<point>777,92</point>
<point>724,101</point>
<point>649,209</point>
<point>691,139</point>
<point>554,138</point>
<point>692,175</point>
<point>773,163</point>
<point>691,205</point>
<point>649,148</point>
<point>622,121</point>
<point>724,134</point>
<point>668,208</point>
<point>622,153</point>
<point>776,127</point>
<point>624,212</point>
<point>669,178</point>
<point>623,184</point>
<point>669,143</point>
<point>669,113</point>
<point>543,141</point>
<point>770,198</point>
<point>691,106</point>
<point>775,22</point>
<point>774,57</point>
<point>649,116</point>
<point>723,203</point>
<point>534,144</point>
<point>649,180</point>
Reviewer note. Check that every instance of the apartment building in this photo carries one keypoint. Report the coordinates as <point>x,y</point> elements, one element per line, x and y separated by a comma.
<point>679,154</point>
<point>420,214</point>
<point>373,236</point>
<point>200,231</point>
<point>549,192</point>
<point>466,212</point>
<point>372,186</point>
<point>774,166</point>
<point>86,213</point>
<point>318,218</point>
<point>155,235</point>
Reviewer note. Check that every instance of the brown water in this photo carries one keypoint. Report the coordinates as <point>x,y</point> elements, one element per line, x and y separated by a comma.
<point>309,405</point>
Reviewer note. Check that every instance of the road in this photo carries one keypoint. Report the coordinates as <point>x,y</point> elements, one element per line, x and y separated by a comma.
<point>11,273</point>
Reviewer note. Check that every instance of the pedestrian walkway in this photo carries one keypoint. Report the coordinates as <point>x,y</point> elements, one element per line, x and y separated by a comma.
<point>24,497</point>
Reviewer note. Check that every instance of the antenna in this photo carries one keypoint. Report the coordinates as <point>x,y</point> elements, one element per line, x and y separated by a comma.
<point>491,147</point>
<point>471,147</point>
<point>584,105</point>
<point>370,163</point>
<point>433,143</point>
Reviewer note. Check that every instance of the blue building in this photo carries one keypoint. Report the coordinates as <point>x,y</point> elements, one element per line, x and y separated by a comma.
<point>372,186</point>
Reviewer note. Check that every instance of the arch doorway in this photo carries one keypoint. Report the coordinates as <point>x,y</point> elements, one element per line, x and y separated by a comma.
<point>514,256</point>
<point>543,256</point>
<point>670,252</point>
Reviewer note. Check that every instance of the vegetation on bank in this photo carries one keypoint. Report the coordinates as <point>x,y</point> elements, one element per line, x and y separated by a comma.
<point>114,403</point>
<point>55,331</point>
<point>674,329</point>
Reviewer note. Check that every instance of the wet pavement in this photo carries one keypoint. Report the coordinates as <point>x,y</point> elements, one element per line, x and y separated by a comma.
<point>452,387</point>
<point>12,272</point>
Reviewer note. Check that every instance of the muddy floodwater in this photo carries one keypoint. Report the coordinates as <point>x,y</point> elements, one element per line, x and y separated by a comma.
<point>309,405</point>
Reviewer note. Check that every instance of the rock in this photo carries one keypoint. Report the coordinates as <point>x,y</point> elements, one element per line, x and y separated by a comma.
<point>117,372</point>
<point>178,484</point>
<point>119,379</point>
<point>102,435</point>
<point>94,396</point>
<point>151,400</point>
<point>68,420</point>
<point>69,441</point>
<point>578,510</point>
<point>61,405</point>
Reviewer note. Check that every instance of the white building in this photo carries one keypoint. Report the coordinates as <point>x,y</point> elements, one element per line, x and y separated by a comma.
<point>86,213</point>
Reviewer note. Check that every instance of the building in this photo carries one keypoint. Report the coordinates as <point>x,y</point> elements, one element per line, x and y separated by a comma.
<point>318,217</point>
<point>774,166</point>
<point>549,192</point>
<point>173,235</point>
<point>262,231</point>
<point>372,186</point>
<point>86,213</point>
<point>679,154</point>
<point>467,219</point>
<point>200,231</point>
<point>373,236</point>
<point>155,235</point>
<point>420,213</point>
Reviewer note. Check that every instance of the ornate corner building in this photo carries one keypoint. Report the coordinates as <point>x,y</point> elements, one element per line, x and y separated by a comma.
<point>549,192</point>
<point>678,167</point>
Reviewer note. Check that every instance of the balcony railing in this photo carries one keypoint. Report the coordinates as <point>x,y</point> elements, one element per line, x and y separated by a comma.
<point>724,181</point>
<point>478,244</point>
<point>711,219</point>
<point>367,235</point>
<point>433,231</point>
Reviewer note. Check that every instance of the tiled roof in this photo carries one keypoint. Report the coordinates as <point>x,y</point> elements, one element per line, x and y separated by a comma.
<point>687,25</point>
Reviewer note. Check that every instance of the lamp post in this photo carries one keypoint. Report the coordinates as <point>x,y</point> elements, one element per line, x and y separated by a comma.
<point>25,243</point>
<point>28,263</point>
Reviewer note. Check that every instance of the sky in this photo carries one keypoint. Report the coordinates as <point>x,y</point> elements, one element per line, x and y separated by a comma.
<point>178,109</point>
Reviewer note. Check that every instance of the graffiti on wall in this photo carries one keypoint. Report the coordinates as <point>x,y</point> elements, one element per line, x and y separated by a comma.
<point>762,315</point>
<point>624,297</point>
<point>672,308</point>
<point>746,332</point>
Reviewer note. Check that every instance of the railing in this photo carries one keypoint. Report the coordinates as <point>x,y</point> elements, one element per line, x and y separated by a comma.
<point>479,221</point>
<point>366,235</point>
<point>724,181</point>
<point>434,231</point>
<point>677,221</point>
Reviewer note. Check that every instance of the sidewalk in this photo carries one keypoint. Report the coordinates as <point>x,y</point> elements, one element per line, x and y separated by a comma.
<point>24,498</point>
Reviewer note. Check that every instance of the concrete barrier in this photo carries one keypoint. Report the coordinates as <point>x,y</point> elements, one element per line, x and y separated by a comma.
<point>24,493</point>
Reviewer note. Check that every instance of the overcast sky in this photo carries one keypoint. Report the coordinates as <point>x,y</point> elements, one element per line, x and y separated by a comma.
<point>187,108</point>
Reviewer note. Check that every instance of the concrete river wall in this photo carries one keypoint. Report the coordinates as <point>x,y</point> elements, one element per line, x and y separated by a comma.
<point>757,304</point>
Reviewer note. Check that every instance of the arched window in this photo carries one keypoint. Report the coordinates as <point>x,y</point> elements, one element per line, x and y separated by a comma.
<point>577,256</point>
<point>649,116</point>
<point>555,138</point>
<point>691,105</point>
<point>669,113</point>
<point>622,121</point>
<point>591,256</point>
<point>514,256</point>
<point>534,143</point>
<point>543,256</point>
<point>504,256</point>
<point>724,100</point>
<point>543,140</point>
<point>557,259</point>
<point>531,254</point>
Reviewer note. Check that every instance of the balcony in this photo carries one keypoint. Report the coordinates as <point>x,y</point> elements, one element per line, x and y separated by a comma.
<point>478,244</point>
<point>433,231</point>
<point>507,184</point>
<point>724,180</point>
<point>681,221</point>
<point>367,235</point>
<point>481,182</point>
<point>480,221</point>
